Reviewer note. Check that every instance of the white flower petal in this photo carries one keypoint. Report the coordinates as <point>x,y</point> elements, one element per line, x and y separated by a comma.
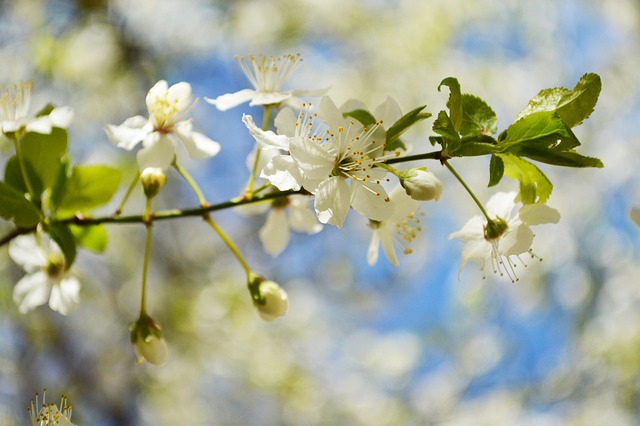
<point>374,247</point>
<point>313,159</point>
<point>40,125</point>
<point>230,100</point>
<point>65,295</point>
<point>472,230</point>
<point>61,117</point>
<point>283,173</point>
<point>25,251</point>
<point>501,204</point>
<point>515,242</point>
<point>301,218</point>
<point>370,200</point>
<point>268,139</point>
<point>403,205</point>
<point>537,214</point>
<point>477,251</point>
<point>268,98</point>
<point>274,234</point>
<point>330,114</point>
<point>179,95</point>
<point>389,112</point>
<point>386,238</point>
<point>197,144</point>
<point>130,133</point>
<point>31,291</point>
<point>158,152</point>
<point>332,201</point>
<point>285,122</point>
<point>159,90</point>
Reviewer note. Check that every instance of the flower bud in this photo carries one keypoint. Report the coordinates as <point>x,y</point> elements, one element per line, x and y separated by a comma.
<point>153,179</point>
<point>147,341</point>
<point>268,297</point>
<point>420,184</point>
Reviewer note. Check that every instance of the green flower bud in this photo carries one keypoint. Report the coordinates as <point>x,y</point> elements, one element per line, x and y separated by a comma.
<point>148,344</point>
<point>153,179</point>
<point>420,184</point>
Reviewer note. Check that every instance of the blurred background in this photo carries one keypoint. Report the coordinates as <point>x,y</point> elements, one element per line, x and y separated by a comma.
<point>361,345</point>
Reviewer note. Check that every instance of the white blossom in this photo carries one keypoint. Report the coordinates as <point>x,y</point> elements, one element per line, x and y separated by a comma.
<point>166,123</point>
<point>276,303</point>
<point>46,279</point>
<point>50,414</point>
<point>14,112</point>
<point>267,75</point>
<point>402,227</point>
<point>507,235</point>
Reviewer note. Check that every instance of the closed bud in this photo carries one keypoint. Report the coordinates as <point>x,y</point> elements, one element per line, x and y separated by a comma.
<point>268,297</point>
<point>148,344</point>
<point>420,184</point>
<point>153,179</point>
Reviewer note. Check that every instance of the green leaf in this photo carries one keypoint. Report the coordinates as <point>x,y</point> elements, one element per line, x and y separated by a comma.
<point>92,238</point>
<point>44,152</point>
<point>59,184</point>
<point>62,235</point>
<point>455,101</point>
<point>89,187</point>
<point>16,208</point>
<point>443,126</point>
<point>572,106</point>
<point>534,185</point>
<point>543,127</point>
<point>559,158</point>
<point>405,122</point>
<point>363,116</point>
<point>477,117</point>
<point>496,170</point>
<point>13,176</point>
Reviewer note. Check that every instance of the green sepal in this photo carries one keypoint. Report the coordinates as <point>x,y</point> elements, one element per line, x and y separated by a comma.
<point>363,116</point>
<point>572,106</point>
<point>399,127</point>
<point>93,238</point>
<point>477,117</point>
<point>16,208</point>
<point>535,187</point>
<point>454,103</point>
<point>496,170</point>
<point>89,187</point>
<point>62,235</point>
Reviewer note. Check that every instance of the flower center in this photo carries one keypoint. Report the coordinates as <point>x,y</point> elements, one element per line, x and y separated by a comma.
<point>494,229</point>
<point>54,267</point>
<point>268,73</point>
<point>14,101</point>
<point>164,111</point>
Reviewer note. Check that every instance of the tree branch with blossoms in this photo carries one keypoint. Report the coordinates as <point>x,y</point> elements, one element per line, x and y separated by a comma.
<point>316,162</point>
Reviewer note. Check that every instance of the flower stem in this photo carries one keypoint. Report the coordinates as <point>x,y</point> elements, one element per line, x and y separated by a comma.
<point>230,244</point>
<point>23,167</point>
<point>254,170</point>
<point>464,184</point>
<point>147,255</point>
<point>203,202</point>
<point>127,194</point>
<point>192,183</point>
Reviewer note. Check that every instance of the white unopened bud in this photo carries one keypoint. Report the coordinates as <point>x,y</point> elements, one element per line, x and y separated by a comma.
<point>147,341</point>
<point>153,179</point>
<point>420,184</point>
<point>275,302</point>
